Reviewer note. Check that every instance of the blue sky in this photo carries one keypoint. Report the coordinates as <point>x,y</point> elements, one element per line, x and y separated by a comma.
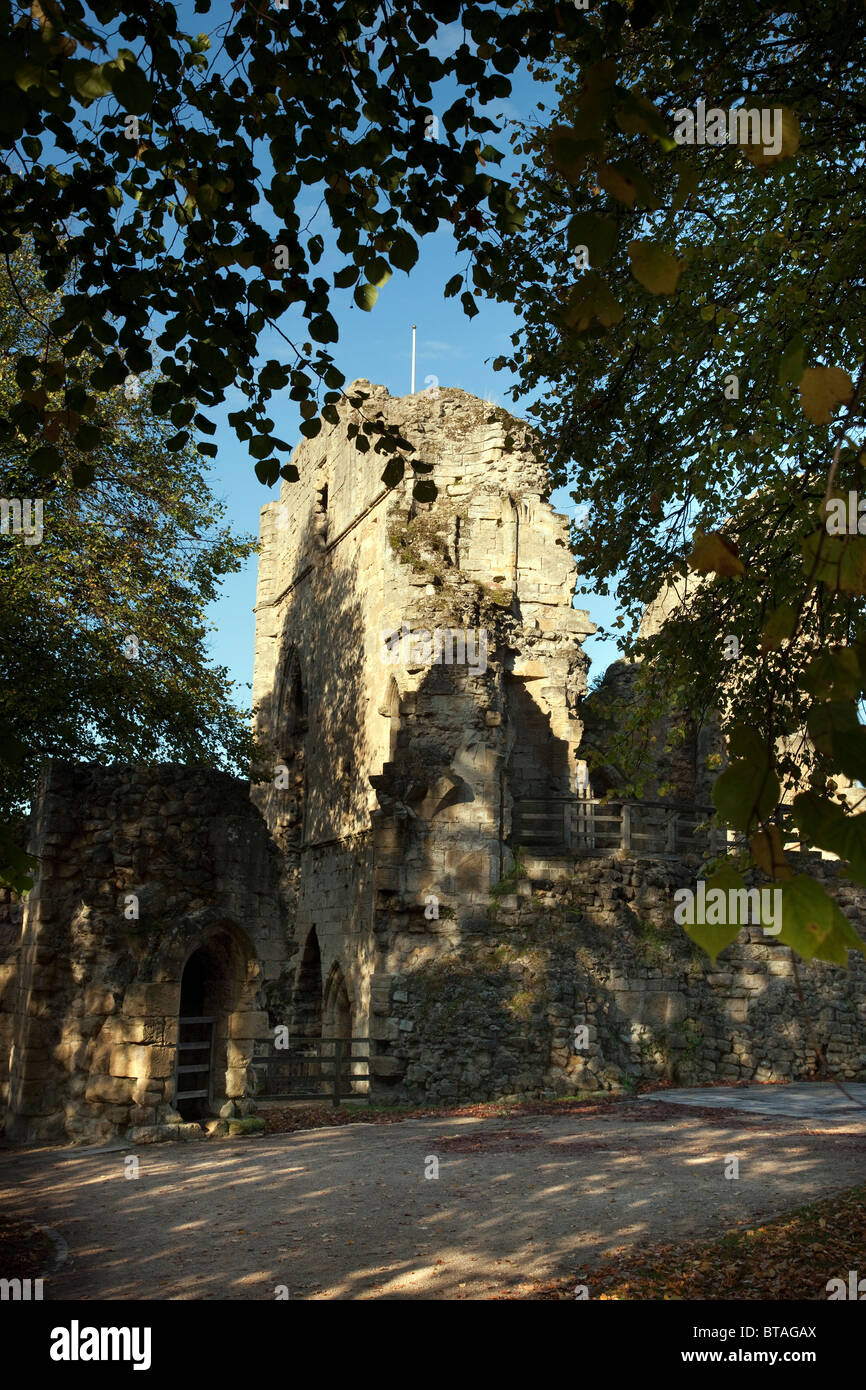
<point>377,345</point>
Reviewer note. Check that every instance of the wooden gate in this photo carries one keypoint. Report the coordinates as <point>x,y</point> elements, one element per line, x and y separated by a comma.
<point>194,1058</point>
<point>311,1069</point>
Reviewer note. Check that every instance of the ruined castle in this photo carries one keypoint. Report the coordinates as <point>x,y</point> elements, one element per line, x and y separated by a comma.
<point>413,867</point>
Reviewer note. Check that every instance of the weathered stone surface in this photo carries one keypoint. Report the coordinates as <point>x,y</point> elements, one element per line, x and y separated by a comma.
<point>89,1007</point>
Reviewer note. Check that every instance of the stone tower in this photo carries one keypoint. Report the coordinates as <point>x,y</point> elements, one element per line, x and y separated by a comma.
<point>417,673</point>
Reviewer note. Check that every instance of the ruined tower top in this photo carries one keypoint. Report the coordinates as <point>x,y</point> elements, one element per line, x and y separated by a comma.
<point>347,560</point>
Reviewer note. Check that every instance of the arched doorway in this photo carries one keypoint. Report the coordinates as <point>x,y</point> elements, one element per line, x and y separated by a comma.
<point>215,983</point>
<point>337,1027</point>
<point>307,999</point>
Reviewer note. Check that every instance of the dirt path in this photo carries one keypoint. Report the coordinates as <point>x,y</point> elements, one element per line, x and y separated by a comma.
<point>349,1213</point>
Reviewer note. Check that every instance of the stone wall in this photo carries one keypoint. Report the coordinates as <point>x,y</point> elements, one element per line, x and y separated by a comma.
<point>390,765</point>
<point>93,991</point>
<point>366,883</point>
<point>494,1013</point>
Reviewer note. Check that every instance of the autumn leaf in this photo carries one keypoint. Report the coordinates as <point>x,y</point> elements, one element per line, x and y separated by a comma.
<point>768,853</point>
<point>822,389</point>
<point>656,269</point>
<point>617,184</point>
<point>756,152</point>
<point>713,554</point>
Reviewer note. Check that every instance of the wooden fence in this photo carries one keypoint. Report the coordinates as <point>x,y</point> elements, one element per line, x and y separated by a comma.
<point>587,825</point>
<point>310,1069</point>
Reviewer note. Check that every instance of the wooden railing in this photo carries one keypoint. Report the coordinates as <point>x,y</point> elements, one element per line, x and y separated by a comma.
<point>312,1068</point>
<point>587,825</point>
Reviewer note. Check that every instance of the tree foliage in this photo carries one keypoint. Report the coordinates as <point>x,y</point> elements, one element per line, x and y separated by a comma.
<point>693,328</point>
<point>103,630</point>
<point>163,177</point>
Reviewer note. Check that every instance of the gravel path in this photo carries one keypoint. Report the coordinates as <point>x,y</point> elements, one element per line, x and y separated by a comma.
<point>348,1212</point>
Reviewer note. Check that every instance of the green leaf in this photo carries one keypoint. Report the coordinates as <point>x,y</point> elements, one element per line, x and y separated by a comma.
<point>17,868</point>
<point>779,627</point>
<point>713,554</point>
<point>88,436</point>
<point>625,182</point>
<point>839,562</point>
<point>425,490</point>
<point>822,389</point>
<point>310,428</point>
<point>379,272</point>
<point>791,363</point>
<point>591,299</point>
<point>745,742</point>
<point>836,731</point>
<point>597,234</point>
<point>789,144</point>
<point>28,75</point>
<point>823,824</point>
<point>323,328</point>
<point>768,852</point>
<point>83,474</point>
<point>453,286</point>
<point>812,924</point>
<point>46,460</point>
<point>687,185</point>
<point>569,151</point>
<point>131,88</point>
<point>403,252</point>
<point>834,674</point>
<point>346,277</point>
<point>747,791</point>
<point>714,936</point>
<point>268,472</point>
<point>636,115</point>
<point>365,297</point>
<point>91,80</point>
